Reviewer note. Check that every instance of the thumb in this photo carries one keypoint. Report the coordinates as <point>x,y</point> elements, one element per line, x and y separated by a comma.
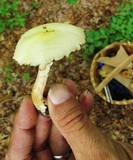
<point>85,140</point>
<point>67,114</point>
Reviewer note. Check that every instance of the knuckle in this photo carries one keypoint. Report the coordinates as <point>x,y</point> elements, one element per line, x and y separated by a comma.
<point>72,120</point>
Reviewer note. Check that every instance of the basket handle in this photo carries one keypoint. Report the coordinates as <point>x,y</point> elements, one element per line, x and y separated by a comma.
<point>114,72</point>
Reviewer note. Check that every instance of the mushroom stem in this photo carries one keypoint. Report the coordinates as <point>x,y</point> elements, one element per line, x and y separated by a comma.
<point>38,88</point>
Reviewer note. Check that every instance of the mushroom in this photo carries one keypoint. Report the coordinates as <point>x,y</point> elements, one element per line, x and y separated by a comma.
<point>41,46</point>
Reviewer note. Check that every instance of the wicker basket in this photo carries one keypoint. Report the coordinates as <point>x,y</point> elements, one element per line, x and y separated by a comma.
<point>95,77</point>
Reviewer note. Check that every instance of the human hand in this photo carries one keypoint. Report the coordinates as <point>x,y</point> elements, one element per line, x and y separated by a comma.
<point>35,137</point>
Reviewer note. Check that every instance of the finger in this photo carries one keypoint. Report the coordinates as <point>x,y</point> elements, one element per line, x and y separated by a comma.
<point>73,124</point>
<point>87,101</point>
<point>42,130</point>
<point>70,85</point>
<point>23,134</point>
<point>57,142</point>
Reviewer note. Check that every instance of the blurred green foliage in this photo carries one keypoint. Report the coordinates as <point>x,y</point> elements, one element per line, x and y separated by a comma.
<point>72,1</point>
<point>10,76</point>
<point>26,76</point>
<point>8,73</point>
<point>10,16</point>
<point>120,28</point>
<point>35,5</point>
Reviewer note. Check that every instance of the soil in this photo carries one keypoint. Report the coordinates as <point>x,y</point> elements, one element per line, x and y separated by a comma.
<point>116,121</point>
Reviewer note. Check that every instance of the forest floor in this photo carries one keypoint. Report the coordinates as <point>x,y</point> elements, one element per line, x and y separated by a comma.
<point>16,81</point>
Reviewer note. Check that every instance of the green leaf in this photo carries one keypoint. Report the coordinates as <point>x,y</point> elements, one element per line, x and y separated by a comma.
<point>91,48</point>
<point>90,33</point>
<point>114,19</point>
<point>98,44</point>
<point>128,7</point>
<point>72,1</point>
<point>123,13</point>
<point>102,31</point>
<point>90,39</point>
<point>2,26</point>
<point>35,5</point>
<point>119,21</point>
<point>97,35</point>
<point>9,77</point>
<point>70,57</point>
<point>26,76</point>
<point>104,43</point>
<point>8,69</point>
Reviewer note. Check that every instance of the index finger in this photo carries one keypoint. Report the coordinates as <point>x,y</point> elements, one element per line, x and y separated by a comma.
<point>22,138</point>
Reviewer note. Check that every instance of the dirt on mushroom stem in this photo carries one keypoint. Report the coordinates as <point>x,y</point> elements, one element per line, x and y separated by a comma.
<point>114,120</point>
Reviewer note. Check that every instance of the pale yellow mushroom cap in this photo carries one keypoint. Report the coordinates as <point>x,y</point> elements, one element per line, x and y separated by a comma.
<point>45,43</point>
